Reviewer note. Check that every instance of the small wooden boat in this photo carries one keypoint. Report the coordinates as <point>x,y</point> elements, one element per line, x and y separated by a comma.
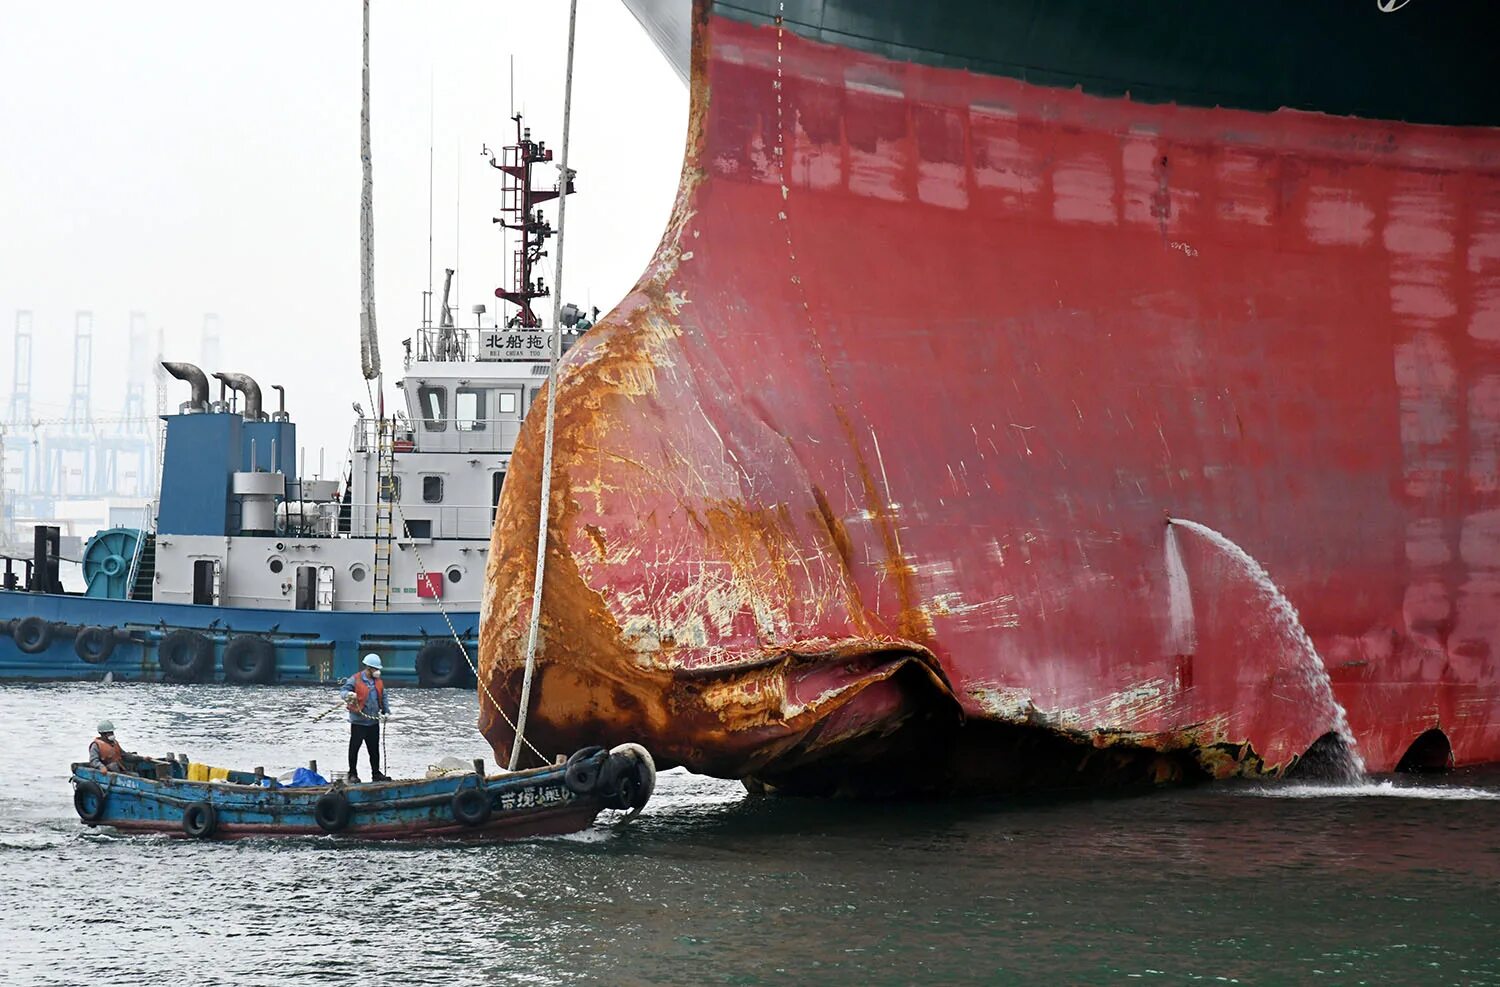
<point>559,798</point>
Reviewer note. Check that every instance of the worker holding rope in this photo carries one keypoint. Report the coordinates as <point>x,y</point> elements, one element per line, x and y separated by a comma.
<point>364,696</point>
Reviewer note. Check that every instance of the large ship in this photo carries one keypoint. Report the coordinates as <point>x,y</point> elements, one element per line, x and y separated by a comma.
<point>254,572</point>
<point>1033,394</point>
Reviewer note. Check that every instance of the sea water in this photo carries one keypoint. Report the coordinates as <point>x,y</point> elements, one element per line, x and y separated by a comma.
<point>1223,883</point>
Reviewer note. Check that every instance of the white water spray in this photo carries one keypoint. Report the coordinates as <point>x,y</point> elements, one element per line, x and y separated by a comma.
<point>1183,638</point>
<point>1288,622</point>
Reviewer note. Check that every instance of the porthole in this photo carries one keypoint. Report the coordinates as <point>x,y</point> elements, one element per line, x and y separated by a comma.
<point>455,574</point>
<point>357,573</point>
<point>275,564</point>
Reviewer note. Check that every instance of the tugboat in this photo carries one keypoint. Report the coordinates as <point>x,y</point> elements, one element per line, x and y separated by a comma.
<point>255,572</point>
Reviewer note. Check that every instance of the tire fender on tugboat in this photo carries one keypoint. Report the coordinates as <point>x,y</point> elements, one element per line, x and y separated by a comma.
<point>440,665</point>
<point>32,634</point>
<point>94,644</point>
<point>185,656</point>
<point>250,660</point>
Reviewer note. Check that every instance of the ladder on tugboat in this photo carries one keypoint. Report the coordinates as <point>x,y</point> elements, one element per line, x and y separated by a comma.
<point>385,499</point>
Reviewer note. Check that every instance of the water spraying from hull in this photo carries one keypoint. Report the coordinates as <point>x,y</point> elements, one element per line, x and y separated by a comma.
<point>1183,639</point>
<point>1287,621</point>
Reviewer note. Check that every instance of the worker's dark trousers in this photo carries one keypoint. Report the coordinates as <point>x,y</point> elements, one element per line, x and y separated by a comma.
<point>369,735</point>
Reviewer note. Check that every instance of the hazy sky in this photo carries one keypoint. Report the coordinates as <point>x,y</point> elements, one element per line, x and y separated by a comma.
<point>180,158</point>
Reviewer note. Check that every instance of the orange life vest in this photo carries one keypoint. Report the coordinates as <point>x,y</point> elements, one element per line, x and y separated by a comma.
<point>362,692</point>
<point>109,752</point>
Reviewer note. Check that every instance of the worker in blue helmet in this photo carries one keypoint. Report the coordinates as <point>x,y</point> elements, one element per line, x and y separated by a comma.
<point>364,696</point>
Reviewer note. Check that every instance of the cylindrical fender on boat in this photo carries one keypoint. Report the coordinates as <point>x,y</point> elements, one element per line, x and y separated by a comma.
<point>620,781</point>
<point>185,656</point>
<point>440,665</point>
<point>581,773</point>
<point>200,820</point>
<point>94,644</point>
<point>88,800</point>
<point>249,660</point>
<point>645,774</point>
<point>333,812</point>
<point>32,634</point>
<point>471,806</point>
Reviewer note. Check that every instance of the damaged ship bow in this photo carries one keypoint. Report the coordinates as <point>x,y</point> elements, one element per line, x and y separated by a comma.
<point>865,486</point>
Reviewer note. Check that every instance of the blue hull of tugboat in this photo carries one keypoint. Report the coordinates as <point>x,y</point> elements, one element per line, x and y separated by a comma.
<point>310,647</point>
<point>540,801</point>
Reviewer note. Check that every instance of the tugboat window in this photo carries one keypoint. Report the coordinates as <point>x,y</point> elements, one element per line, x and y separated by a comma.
<point>421,530</point>
<point>393,492</point>
<point>433,402</point>
<point>497,480</point>
<point>509,402</point>
<point>432,490</point>
<point>469,409</point>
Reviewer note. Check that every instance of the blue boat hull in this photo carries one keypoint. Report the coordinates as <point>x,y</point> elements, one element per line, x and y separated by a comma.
<point>558,798</point>
<point>309,646</point>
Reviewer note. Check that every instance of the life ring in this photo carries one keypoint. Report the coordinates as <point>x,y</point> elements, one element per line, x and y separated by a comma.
<point>88,800</point>
<point>200,820</point>
<point>249,660</point>
<point>440,665</point>
<point>333,812</point>
<point>32,634</point>
<point>581,773</point>
<point>94,644</point>
<point>471,806</point>
<point>185,656</point>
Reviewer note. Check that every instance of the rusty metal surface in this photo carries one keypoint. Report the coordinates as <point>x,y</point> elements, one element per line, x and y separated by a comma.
<point>868,474</point>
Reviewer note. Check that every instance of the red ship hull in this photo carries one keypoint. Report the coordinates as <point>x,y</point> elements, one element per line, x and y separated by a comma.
<point>868,477</point>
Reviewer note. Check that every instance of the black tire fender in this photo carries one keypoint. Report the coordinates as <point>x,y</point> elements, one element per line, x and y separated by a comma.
<point>185,656</point>
<point>88,800</point>
<point>249,659</point>
<point>200,820</point>
<point>94,644</point>
<point>581,773</point>
<point>471,806</point>
<point>619,781</point>
<point>32,634</point>
<point>441,665</point>
<point>333,812</point>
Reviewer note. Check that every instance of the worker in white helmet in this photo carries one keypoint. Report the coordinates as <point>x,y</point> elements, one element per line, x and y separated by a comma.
<point>105,752</point>
<point>364,695</point>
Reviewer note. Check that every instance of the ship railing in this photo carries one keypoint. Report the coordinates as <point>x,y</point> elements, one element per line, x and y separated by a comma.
<point>148,527</point>
<point>466,435</point>
<point>419,522</point>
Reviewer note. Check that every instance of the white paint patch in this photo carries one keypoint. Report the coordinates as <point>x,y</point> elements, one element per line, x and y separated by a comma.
<point>1337,217</point>
<point>1083,191</point>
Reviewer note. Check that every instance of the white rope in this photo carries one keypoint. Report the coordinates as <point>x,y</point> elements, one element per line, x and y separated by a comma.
<point>369,343</point>
<point>556,355</point>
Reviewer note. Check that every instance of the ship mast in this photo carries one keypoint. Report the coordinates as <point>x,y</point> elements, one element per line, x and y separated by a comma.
<point>519,199</point>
